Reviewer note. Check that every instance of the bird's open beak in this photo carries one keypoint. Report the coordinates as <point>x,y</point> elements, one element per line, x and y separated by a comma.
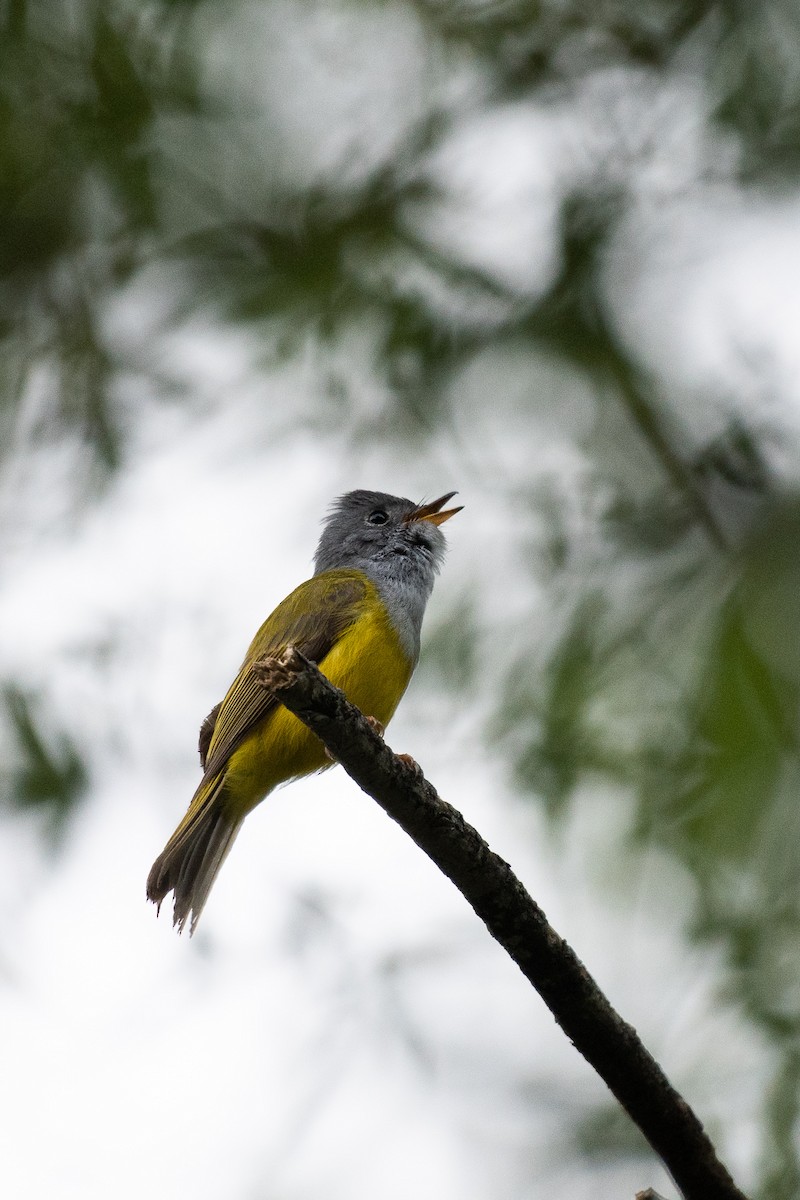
<point>431,512</point>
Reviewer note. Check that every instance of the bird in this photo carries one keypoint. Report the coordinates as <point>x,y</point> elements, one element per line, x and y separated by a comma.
<point>359,619</point>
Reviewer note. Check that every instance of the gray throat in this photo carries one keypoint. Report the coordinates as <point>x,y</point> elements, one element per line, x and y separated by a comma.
<point>405,585</point>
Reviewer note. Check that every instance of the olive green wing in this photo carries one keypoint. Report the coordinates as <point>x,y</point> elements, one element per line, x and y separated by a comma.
<point>312,618</point>
<point>207,733</point>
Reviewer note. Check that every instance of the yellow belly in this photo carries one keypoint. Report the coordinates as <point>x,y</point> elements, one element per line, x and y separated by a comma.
<point>371,667</point>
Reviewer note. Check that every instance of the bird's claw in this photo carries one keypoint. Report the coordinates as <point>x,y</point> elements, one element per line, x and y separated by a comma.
<point>412,764</point>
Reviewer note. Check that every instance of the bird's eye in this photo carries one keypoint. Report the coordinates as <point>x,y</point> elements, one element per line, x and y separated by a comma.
<point>378,517</point>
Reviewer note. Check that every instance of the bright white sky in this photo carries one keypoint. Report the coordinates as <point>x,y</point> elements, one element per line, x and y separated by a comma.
<point>341,1027</point>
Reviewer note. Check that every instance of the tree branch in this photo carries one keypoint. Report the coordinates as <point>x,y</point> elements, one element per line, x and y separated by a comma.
<point>610,1045</point>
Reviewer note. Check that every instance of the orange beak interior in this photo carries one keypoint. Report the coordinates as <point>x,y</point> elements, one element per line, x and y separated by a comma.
<point>433,512</point>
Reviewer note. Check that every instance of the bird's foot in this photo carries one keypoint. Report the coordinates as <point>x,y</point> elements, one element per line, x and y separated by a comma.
<point>412,764</point>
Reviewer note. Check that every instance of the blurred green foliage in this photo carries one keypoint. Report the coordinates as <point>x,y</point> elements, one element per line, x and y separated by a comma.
<point>48,773</point>
<point>85,180</point>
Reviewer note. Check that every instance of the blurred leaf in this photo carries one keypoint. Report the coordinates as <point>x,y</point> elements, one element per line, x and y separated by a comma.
<point>737,458</point>
<point>529,42</point>
<point>736,738</point>
<point>87,373</point>
<point>571,321</point>
<point>51,775</point>
<point>116,120</point>
<point>297,270</point>
<point>123,98</point>
<point>756,75</point>
<point>418,354</point>
<point>544,712</point>
<point>38,176</point>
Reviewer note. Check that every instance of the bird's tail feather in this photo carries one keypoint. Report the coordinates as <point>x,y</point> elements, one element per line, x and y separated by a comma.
<point>191,859</point>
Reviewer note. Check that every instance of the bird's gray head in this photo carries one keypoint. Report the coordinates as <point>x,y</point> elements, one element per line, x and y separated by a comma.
<point>391,539</point>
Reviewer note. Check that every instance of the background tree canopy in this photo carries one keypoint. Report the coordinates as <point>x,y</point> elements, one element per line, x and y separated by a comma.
<point>254,254</point>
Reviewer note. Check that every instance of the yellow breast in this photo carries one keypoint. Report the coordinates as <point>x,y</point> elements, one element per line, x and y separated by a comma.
<point>371,667</point>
